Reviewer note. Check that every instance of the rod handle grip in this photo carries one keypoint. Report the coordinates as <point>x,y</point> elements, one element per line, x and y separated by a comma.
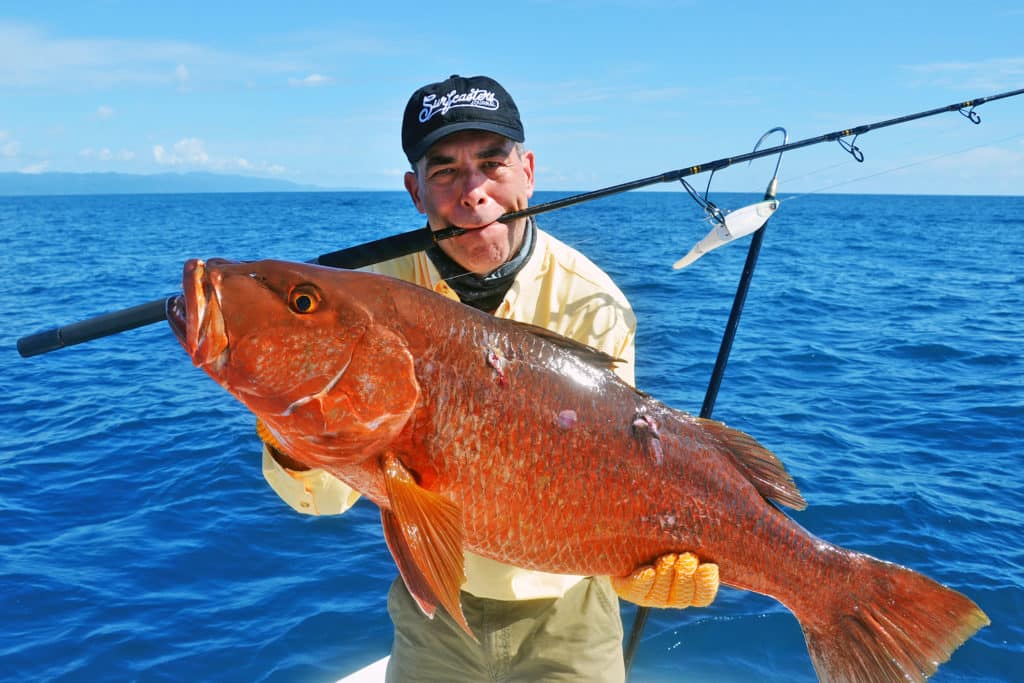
<point>93,328</point>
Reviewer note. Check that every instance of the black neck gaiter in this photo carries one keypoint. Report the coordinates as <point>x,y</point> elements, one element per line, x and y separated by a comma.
<point>484,292</point>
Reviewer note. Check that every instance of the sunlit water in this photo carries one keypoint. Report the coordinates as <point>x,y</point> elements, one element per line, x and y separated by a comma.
<point>879,354</point>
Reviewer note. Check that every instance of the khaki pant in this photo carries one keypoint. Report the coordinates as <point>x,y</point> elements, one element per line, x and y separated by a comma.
<point>577,637</point>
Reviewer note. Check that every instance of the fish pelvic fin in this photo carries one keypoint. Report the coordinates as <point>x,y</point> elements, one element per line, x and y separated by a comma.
<point>424,533</point>
<point>760,465</point>
<point>889,623</point>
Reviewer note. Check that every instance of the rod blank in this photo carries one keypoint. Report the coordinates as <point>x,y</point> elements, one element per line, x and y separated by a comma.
<point>107,324</point>
<point>416,240</point>
<point>93,328</point>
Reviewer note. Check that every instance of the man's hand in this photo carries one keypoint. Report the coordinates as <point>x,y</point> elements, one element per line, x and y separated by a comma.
<point>672,581</point>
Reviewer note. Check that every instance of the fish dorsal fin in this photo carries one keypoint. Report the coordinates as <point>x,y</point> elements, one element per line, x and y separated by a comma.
<point>424,533</point>
<point>760,465</point>
<point>584,352</point>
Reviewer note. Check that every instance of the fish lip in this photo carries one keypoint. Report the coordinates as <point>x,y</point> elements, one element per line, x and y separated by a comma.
<point>177,317</point>
<point>196,318</point>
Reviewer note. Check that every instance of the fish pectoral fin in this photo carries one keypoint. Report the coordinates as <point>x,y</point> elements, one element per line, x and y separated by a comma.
<point>764,470</point>
<point>673,580</point>
<point>415,581</point>
<point>424,533</point>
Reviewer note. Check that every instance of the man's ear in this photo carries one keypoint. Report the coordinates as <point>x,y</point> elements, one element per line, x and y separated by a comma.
<point>412,186</point>
<point>528,167</point>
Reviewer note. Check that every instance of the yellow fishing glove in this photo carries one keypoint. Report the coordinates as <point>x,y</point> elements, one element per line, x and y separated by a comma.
<point>672,581</point>
<point>274,448</point>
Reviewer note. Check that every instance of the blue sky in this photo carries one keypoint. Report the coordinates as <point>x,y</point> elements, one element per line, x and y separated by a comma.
<point>610,91</point>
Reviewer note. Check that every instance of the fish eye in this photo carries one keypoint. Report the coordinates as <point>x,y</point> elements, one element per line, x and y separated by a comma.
<point>304,299</point>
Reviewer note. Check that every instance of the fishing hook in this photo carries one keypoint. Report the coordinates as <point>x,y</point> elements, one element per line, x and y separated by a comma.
<point>713,212</point>
<point>852,148</point>
<point>773,183</point>
<point>785,140</point>
<point>974,116</point>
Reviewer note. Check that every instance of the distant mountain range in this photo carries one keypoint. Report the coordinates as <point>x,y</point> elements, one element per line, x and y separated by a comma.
<point>126,183</point>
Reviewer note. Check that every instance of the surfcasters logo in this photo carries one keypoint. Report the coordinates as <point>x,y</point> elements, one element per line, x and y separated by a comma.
<point>477,97</point>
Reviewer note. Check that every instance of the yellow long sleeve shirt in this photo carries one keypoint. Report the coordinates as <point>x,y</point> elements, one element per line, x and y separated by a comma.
<point>558,288</point>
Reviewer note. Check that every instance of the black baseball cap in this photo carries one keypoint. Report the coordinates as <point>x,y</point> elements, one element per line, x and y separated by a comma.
<point>458,103</point>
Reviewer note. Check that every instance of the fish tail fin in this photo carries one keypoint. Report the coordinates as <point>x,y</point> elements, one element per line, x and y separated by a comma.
<point>892,624</point>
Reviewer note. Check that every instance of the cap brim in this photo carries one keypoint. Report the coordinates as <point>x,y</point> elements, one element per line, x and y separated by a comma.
<point>428,141</point>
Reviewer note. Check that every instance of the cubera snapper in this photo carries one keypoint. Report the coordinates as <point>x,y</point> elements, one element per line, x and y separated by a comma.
<point>472,432</point>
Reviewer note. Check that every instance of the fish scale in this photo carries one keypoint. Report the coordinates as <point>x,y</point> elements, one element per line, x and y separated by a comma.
<point>480,434</point>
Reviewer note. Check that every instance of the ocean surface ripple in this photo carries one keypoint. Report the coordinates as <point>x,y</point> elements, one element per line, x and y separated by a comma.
<point>880,355</point>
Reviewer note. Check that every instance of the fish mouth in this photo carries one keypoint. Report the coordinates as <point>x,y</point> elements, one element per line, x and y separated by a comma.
<point>177,317</point>
<point>196,318</point>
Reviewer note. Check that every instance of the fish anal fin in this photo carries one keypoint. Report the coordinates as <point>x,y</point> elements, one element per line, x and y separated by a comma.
<point>424,533</point>
<point>760,465</point>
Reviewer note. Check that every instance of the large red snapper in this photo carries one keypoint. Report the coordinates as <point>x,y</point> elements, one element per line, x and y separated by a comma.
<point>471,432</point>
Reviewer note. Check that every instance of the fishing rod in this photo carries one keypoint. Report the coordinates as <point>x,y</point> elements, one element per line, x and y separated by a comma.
<point>358,256</point>
<point>410,242</point>
<point>724,350</point>
<point>739,300</point>
<point>966,108</point>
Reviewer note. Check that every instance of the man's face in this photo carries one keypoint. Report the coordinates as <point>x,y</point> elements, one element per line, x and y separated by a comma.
<point>469,179</point>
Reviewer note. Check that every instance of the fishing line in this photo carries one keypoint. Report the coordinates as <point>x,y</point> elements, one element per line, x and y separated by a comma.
<point>906,140</point>
<point>849,145</point>
<point>819,171</point>
<point>413,241</point>
<point>894,169</point>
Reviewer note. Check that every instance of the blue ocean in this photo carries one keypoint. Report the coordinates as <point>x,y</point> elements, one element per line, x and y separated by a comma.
<point>880,355</point>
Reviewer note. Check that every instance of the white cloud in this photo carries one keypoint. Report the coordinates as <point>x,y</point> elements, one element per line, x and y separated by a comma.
<point>106,154</point>
<point>35,168</point>
<point>980,162</point>
<point>985,75</point>
<point>186,152</point>
<point>181,75</point>
<point>310,81</point>
<point>191,153</point>
<point>259,167</point>
<point>104,112</point>
<point>32,57</point>
<point>8,148</point>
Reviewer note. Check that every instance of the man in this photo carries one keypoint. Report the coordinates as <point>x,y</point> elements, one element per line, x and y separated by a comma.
<point>464,140</point>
